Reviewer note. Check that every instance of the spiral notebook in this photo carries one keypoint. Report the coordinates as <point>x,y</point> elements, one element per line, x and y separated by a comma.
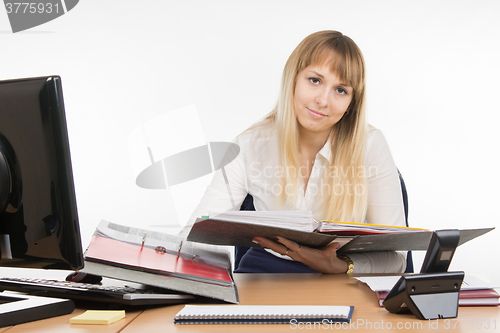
<point>263,314</point>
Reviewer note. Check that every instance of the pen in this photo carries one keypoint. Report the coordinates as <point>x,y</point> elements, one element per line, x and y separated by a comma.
<point>179,250</point>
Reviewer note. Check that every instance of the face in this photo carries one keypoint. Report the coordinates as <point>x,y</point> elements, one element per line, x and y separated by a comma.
<point>320,100</point>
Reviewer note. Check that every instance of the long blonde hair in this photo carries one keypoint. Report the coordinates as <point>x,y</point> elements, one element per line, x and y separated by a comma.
<point>344,183</point>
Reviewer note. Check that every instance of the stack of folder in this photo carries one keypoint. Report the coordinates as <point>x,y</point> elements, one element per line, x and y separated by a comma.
<point>474,290</point>
<point>160,260</point>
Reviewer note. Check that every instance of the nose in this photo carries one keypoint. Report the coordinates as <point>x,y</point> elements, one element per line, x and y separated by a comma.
<point>322,97</point>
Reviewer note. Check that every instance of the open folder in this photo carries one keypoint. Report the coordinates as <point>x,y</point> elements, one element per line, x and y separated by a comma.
<point>161,260</point>
<point>239,228</point>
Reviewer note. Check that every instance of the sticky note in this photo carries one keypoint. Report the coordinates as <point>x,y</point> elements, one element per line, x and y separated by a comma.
<point>98,317</point>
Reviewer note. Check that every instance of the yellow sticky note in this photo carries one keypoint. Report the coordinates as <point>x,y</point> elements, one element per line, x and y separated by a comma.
<point>102,317</point>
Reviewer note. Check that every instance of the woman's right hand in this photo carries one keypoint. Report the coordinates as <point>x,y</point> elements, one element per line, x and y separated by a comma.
<point>323,260</point>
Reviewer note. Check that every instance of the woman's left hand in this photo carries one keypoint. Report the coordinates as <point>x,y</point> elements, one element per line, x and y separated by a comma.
<point>323,259</point>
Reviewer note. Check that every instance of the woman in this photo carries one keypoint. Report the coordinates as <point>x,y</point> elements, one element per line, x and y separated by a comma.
<point>315,152</point>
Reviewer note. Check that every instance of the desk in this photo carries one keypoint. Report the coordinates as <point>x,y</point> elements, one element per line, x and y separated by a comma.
<point>282,289</point>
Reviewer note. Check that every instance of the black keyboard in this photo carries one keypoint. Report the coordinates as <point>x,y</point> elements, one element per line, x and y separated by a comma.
<point>93,292</point>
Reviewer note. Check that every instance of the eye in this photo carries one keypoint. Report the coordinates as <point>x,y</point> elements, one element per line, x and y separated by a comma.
<point>341,91</point>
<point>314,80</point>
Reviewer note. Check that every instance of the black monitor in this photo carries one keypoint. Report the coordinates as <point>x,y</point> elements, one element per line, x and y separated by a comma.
<point>38,214</point>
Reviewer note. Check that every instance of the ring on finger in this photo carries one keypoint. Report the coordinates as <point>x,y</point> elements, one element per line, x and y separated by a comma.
<point>297,250</point>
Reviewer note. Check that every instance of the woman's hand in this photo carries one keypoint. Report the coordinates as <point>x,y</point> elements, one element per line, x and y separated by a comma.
<point>323,260</point>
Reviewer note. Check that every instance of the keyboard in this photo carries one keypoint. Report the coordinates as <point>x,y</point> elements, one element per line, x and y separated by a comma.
<point>124,294</point>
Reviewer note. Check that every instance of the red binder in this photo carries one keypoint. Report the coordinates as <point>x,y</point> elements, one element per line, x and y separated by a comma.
<point>121,254</point>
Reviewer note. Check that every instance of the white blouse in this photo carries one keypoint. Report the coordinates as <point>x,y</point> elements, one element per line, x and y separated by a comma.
<point>256,171</point>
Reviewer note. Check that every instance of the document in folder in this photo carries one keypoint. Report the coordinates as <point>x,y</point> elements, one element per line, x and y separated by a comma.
<point>236,229</point>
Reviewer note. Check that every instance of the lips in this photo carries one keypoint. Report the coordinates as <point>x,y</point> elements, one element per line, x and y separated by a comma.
<point>316,114</point>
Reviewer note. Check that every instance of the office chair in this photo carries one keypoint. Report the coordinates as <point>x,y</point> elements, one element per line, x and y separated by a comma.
<point>248,205</point>
<point>409,258</point>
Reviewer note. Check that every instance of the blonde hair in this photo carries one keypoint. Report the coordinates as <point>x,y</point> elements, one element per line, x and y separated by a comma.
<point>345,171</point>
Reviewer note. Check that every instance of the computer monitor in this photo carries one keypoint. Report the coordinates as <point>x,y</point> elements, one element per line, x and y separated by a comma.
<point>39,225</point>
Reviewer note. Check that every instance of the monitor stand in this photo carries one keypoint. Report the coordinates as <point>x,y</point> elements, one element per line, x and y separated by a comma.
<point>5,182</point>
<point>17,308</point>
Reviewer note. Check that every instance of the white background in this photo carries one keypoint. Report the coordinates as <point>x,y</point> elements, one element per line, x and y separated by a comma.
<point>432,88</point>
